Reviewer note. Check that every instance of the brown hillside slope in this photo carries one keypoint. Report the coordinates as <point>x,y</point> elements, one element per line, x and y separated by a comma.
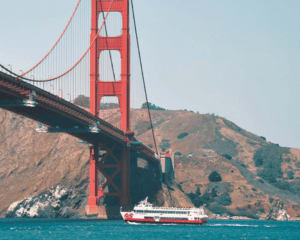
<point>253,172</point>
<point>31,162</point>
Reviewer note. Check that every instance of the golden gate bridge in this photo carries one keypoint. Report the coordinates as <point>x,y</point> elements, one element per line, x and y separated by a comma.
<point>46,93</point>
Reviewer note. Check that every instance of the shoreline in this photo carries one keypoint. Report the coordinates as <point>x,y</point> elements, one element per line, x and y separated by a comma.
<point>233,218</point>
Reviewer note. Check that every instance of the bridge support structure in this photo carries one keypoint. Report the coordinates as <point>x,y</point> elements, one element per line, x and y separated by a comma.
<point>113,162</point>
<point>120,169</point>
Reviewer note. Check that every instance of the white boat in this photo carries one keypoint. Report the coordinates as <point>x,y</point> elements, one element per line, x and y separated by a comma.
<point>144,212</point>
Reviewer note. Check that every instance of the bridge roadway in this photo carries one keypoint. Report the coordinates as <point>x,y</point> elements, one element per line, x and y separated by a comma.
<point>62,116</point>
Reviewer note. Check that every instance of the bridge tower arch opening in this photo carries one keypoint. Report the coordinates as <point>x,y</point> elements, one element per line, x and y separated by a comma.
<point>100,88</point>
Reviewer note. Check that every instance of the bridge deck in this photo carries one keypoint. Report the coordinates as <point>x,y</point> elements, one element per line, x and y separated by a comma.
<point>62,115</point>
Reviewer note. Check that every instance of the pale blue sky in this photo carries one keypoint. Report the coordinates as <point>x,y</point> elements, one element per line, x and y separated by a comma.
<point>237,59</point>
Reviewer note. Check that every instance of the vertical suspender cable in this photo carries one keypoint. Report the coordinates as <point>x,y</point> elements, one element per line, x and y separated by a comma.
<point>143,77</point>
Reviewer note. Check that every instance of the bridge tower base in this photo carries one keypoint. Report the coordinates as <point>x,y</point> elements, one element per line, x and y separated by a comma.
<point>114,164</point>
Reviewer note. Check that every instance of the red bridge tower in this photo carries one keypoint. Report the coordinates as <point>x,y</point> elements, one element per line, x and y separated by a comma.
<point>120,89</point>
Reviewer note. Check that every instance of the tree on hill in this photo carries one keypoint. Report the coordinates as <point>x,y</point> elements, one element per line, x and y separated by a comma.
<point>152,106</point>
<point>268,160</point>
<point>215,177</point>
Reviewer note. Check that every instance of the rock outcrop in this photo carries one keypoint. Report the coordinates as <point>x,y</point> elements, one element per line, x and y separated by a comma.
<point>278,212</point>
<point>57,202</point>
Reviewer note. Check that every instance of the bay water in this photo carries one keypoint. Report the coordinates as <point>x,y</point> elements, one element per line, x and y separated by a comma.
<point>102,229</point>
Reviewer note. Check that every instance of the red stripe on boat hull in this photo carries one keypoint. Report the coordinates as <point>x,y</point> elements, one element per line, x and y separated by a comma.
<point>162,221</point>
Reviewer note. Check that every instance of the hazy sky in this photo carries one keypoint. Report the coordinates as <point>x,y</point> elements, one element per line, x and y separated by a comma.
<point>237,59</point>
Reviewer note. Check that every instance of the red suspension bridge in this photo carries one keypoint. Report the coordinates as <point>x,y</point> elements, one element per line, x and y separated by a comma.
<point>46,93</point>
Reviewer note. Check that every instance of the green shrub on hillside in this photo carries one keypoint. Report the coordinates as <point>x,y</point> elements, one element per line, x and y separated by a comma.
<point>263,138</point>
<point>182,135</point>
<point>152,106</point>
<point>227,156</point>
<point>215,177</point>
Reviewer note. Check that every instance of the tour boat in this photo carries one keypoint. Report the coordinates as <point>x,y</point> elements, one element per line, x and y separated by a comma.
<point>144,212</point>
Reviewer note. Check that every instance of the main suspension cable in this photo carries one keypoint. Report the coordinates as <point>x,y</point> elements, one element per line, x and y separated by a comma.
<point>56,43</point>
<point>71,68</point>
<point>143,77</point>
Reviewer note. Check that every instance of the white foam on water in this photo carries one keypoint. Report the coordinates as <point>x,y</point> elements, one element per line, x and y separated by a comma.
<point>134,223</point>
<point>269,226</point>
<point>231,225</point>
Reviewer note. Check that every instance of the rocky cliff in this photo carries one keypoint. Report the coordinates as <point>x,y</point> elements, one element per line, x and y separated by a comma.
<point>217,165</point>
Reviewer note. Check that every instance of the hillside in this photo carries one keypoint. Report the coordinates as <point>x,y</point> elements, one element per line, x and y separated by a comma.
<point>217,164</point>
